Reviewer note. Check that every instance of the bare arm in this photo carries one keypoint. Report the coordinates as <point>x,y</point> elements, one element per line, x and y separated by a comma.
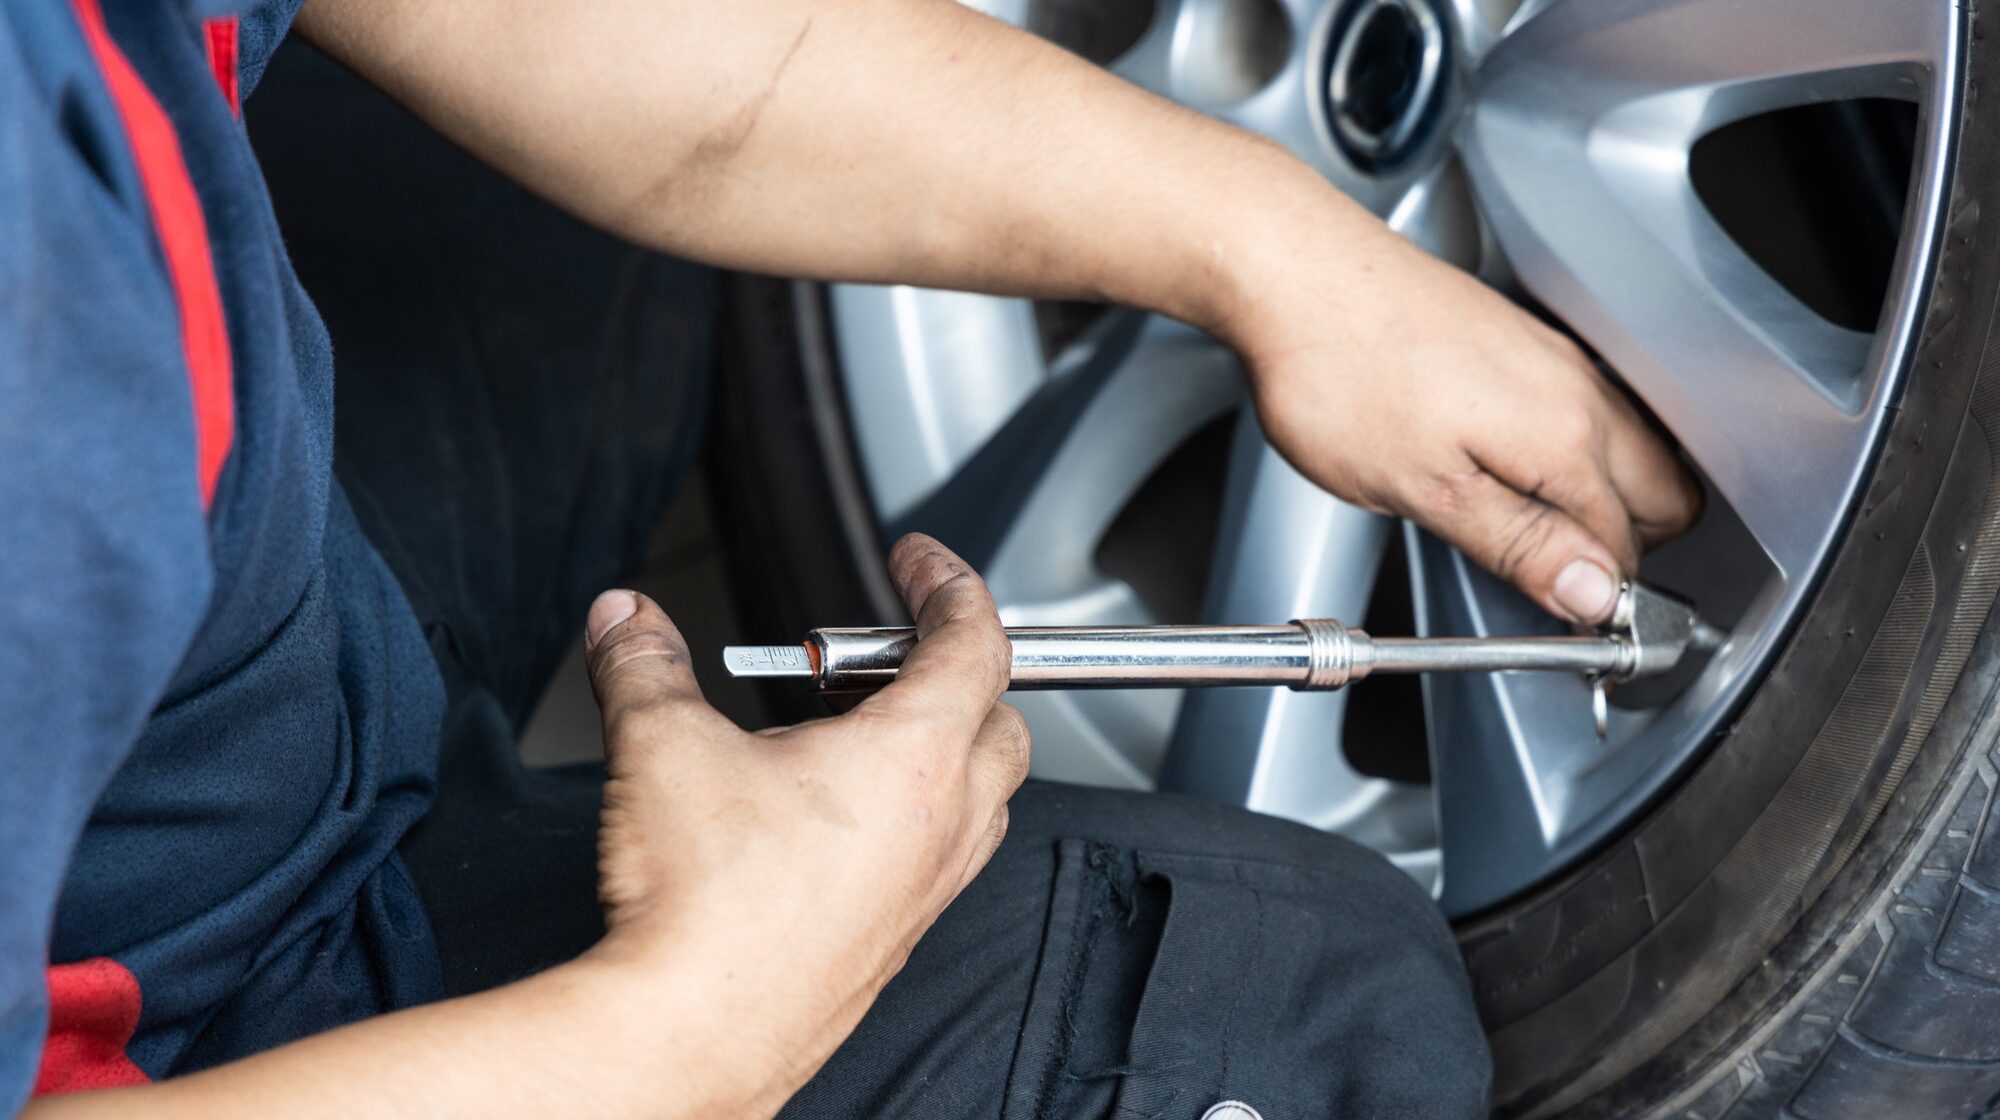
<point>914,141</point>
<point>917,141</point>
<point>573,1041</point>
<point>759,891</point>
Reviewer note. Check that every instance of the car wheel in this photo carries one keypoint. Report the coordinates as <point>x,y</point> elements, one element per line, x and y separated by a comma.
<point>1771,890</point>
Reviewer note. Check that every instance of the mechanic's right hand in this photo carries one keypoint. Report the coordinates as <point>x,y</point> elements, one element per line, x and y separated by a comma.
<point>801,864</point>
<point>1407,387</point>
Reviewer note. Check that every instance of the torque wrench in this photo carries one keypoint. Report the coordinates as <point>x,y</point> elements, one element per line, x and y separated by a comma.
<point>1648,634</point>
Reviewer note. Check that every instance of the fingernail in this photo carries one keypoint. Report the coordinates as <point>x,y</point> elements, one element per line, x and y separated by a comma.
<point>610,609</point>
<point>1586,590</point>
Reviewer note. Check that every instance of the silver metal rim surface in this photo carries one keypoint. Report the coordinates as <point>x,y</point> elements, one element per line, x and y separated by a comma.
<point>1553,161</point>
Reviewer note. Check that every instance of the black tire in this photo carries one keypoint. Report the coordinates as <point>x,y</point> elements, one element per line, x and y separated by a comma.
<point>1809,924</point>
<point>802,538</point>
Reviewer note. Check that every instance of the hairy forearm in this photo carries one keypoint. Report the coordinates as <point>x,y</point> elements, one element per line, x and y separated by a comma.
<point>880,140</point>
<point>572,1042</point>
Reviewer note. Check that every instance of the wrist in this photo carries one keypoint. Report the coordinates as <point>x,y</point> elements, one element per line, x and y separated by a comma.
<point>1292,261</point>
<point>681,1009</point>
<point>657,1039</point>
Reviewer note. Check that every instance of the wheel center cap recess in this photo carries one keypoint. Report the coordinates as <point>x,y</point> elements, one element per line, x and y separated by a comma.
<point>1385,79</point>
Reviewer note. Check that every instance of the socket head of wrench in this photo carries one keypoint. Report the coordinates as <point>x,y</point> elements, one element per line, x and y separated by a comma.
<point>1660,628</point>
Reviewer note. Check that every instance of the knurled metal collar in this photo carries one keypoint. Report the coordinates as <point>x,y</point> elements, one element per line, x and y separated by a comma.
<point>1330,655</point>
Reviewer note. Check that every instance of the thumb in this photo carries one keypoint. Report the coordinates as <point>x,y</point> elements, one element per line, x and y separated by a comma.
<point>1538,548</point>
<point>637,657</point>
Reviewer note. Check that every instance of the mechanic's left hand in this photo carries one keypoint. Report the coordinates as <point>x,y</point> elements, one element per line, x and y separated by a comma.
<point>1409,388</point>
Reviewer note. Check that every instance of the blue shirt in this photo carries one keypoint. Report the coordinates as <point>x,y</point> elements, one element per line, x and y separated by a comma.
<point>217,712</point>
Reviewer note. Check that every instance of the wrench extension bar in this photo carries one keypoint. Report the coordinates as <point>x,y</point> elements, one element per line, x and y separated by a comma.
<point>1649,634</point>
<point>1310,655</point>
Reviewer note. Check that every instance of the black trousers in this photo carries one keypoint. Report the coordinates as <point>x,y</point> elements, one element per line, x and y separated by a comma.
<point>517,398</point>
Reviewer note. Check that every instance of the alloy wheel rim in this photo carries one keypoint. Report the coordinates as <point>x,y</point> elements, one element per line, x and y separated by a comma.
<point>1551,159</point>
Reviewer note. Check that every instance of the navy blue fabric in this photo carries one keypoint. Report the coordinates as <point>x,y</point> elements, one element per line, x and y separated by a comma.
<point>215,726</point>
<point>519,396</point>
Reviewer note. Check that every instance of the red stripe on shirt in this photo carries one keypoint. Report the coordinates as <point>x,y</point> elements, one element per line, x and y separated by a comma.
<point>220,37</point>
<point>183,234</point>
<point>93,1010</point>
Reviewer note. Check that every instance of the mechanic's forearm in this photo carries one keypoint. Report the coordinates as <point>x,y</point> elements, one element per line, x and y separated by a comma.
<point>586,1039</point>
<point>887,140</point>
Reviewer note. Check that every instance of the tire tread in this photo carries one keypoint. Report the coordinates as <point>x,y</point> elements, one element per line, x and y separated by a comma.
<point>1902,1018</point>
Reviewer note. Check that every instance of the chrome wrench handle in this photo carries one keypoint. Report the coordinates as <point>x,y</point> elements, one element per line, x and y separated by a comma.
<point>1059,657</point>
<point>1650,632</point>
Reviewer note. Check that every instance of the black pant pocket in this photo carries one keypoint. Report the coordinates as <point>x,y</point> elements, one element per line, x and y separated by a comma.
<point>1169,984</point>
<point>1130,1011</point>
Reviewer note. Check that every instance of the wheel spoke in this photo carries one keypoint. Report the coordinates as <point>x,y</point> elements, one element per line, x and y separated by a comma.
<point>1287,550</point>
<point>1481,23</point>
<point>1210,54</point>
<point>933,376</point>
<point>1731,363</point>
<point>1437,215</point>
<point>1578,155</point>
<point>1030,507</point>
<point>1247,62</point>
<point>1676,68</point>
<point>1508,750</point>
